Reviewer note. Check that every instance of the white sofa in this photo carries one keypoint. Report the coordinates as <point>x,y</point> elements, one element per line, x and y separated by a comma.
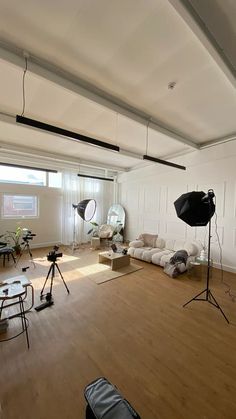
<point>153,249</point>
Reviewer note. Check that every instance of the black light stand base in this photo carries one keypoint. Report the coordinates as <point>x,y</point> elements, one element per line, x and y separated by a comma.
<point>209,297</point>
<point>44,305</point>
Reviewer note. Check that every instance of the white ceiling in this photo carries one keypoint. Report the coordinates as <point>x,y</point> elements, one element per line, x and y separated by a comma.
<point>130,50</point>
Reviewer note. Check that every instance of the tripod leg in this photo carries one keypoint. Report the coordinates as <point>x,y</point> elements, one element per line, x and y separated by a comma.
<point>51,283</point>
<point>62,277</point>
<point>41,293</point>
<point>196,297</point>
<point>218,306</point>
<point>30,253</point>
<point>21,253</point>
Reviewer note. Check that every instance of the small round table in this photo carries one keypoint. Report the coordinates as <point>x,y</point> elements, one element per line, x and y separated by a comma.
<point>198,269</point>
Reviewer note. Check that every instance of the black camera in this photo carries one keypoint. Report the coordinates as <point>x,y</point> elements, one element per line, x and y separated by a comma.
<point>28,235</point>
<point>53,255</point>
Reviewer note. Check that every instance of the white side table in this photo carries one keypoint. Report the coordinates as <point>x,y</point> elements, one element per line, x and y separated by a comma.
<point>198,270</point>
<point>14,291</point>
<point>95,243</point>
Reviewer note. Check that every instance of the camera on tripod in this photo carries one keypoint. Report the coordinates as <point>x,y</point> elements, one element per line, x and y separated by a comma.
<point>53,255</point>
<point>28,235</point>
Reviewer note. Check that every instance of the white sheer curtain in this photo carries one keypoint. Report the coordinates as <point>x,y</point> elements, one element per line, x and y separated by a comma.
<point>75,189</point>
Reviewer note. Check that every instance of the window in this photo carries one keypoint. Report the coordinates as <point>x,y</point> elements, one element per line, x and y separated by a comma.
<point>19,206</point>
<point>25,176</point>
<point>54,180</point>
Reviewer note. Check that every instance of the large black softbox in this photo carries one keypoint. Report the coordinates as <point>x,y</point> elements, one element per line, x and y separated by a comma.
<point>195,208</point>
<point>86,209</point>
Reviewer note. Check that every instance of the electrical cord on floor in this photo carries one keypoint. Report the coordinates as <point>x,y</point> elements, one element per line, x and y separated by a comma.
<point>229,290</point>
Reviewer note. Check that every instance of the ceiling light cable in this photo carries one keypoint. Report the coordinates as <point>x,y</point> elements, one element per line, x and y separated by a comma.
<point>148,122</point>
<point>23,84</point>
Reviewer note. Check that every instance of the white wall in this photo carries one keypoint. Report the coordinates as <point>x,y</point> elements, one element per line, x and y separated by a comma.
<point>48,225</point>
<point>148,194</point>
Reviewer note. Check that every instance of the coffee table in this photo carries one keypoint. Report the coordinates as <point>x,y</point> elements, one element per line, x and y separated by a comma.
<point>116,260</point>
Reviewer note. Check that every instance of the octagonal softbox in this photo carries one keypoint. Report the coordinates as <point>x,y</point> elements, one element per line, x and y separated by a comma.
<point>195,208</point>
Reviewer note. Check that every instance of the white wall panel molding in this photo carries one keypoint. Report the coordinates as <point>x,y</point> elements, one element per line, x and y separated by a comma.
<point>214,238</point>
<point>140,224</point>
<point>201,234</point>
<point>234,199</point>
<point>173,193</point>
<point>234,237</point>
<point>151,226</point>
<point>219,190</point>
<point>176,229</point>
<point>152,199</point>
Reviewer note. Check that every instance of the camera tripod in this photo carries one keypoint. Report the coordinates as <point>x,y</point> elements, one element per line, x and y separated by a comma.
<point>49,300</point>
<point>27,248</point>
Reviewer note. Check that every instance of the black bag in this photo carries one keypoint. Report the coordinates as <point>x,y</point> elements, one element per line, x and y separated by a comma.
<point>105,402</point>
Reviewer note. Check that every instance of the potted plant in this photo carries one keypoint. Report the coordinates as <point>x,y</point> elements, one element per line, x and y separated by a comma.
<point>94,229</point>
<point>15,238</point>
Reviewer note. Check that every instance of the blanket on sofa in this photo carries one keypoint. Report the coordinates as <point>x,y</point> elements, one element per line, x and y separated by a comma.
<point>172,268</point>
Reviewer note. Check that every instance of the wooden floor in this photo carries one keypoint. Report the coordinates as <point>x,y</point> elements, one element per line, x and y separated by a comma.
<point>169,362</point>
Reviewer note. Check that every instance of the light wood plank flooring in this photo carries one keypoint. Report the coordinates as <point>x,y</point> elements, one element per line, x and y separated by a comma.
<point>169,362</point>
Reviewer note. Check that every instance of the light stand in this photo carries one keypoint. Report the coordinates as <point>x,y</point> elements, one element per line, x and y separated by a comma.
<point>197,209</point>
<point>209,297</point>
<point>75,244</point>
<point>86,210</point>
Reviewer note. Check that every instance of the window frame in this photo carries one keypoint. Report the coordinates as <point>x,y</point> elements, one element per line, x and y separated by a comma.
<point>45,185</point>
<point>19,217</point>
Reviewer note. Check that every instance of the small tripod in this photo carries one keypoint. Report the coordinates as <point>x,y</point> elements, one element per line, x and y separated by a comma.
<point>27,248</point>
<point>49,300</point>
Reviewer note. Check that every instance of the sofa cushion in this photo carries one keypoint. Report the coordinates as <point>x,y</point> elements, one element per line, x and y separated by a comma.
<point>156,258</point>
<point>160,243</point>
<point>131,251</point>
<point>166,258</point>
<point>136,243</point>
<point>147,254</point>
<point>138,253</point>
<point>149,239</point>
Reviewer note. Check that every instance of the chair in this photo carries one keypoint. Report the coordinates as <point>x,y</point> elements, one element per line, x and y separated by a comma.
<point>106,232</point>
<point>7,251</point>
